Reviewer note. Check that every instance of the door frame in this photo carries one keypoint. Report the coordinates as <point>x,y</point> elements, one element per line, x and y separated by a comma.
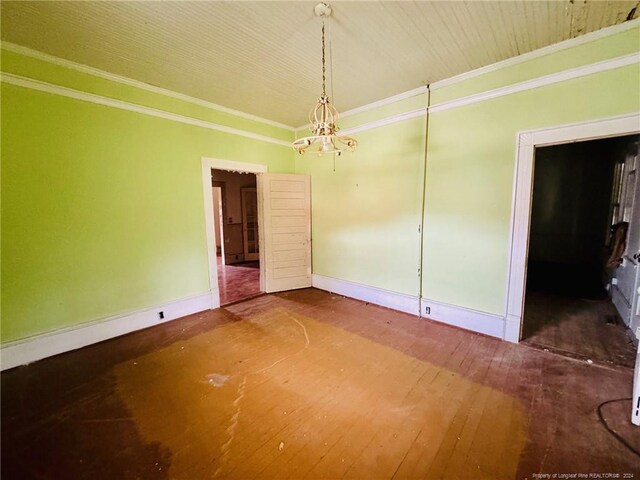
<point>526,143</point>
<point>223,215</point>
<point>209,164</point>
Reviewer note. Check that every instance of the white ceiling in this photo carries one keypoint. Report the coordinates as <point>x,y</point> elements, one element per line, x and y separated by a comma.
<point>264,57</point>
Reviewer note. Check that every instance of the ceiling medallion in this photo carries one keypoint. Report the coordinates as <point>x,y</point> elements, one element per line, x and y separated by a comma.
<point>324,115</point>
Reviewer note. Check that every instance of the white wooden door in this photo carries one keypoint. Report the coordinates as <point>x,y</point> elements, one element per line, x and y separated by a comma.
<point>624,291</point>
<point>250,224</point>
<point>217,220</point>
<point>635,400</point>
<point>285,240</point>
<point>632,254</point>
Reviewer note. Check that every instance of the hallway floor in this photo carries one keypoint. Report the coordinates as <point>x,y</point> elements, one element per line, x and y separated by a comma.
<point>238,282</point>
<point>306,384</point>
<point>583,328</point>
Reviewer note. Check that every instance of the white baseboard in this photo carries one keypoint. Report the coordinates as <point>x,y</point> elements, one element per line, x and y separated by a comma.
<point>21,352</point>
<point>512,328</point>
<point>474,320</point>
<point>385,298</point>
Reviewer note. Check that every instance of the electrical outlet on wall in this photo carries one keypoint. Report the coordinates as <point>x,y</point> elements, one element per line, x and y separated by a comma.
<point>161,315</point>
<point>427,310</point>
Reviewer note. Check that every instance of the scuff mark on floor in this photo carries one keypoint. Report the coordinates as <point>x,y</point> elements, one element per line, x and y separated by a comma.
<point>307,343</point>
<point>230,432</point>
<point>217,379</point>
<point>233,423</point>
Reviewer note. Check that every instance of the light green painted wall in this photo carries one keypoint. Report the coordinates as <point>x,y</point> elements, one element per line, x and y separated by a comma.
<point>37,69</point>
<point>402,106</point>
<point>102,209</point>
<point>470,167</point>
<point>611,46</point>
<point>366,214</point>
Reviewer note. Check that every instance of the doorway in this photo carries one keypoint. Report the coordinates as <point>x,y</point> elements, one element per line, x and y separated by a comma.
<point>282,211</point>
<point>235,208</point>
<point>577,231</point>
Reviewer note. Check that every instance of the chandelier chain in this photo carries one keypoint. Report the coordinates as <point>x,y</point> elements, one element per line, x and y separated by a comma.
<point>324,91</point>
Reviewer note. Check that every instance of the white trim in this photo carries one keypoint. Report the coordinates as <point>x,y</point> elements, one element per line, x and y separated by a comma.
<point>209,225</point>
<point>386,101</point>
<point>385,121</point>
<point>12,47</point>
<point>233,166</point>
<point>114,103</point>
<point>22,352</point>
<point>577,72</point>
<point>474,320</point>
<point>526,142</point>
<point>635,398</point>
<point>379,103</point>
<point>385,298</point>
<point>557,77</point>
<point>209,164</point>
<point>541,52</point>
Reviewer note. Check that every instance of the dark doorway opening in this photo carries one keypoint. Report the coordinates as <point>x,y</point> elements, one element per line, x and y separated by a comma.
<point>576,205</point>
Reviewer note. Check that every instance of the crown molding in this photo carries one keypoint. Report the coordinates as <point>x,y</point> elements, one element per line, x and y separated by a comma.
<point>19,49</point>
<point>562,76</point>
<point>541,52</point>
<point>378,103</point>
<point>556,47</point>
<point>24,82</point>
<point>386,101</point>
<point>385,121</point>
<point>565,75</point>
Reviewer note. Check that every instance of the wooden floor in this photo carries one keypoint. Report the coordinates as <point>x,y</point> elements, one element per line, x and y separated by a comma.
<point>586,328</point>
<point>238,281</point>
<point>311,385</point>
<point>567,310</point>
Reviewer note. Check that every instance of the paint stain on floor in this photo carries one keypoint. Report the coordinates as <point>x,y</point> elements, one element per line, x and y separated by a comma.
<point>294,397</point>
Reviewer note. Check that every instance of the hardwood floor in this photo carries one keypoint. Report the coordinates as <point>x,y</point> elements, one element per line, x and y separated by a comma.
<point>586,328</point>
<point>238,281</point>
<point>307,384</point>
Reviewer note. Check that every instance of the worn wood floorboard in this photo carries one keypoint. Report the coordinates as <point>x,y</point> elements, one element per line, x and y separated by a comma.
<point>307,384</point>
<point>587,328</point>
<point>238,281</point>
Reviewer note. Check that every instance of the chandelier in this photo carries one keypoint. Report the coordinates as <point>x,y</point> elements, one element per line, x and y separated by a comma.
<point>323,115</point>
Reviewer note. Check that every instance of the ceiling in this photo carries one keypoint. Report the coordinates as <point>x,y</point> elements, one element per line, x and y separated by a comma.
<point>264,57</point>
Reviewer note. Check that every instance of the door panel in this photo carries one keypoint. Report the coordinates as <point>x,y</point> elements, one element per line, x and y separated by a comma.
<point>635,400</point>
<point>625,293</point>
<point>250,224</point>
<point>286,231</point>
<point>625,283</point>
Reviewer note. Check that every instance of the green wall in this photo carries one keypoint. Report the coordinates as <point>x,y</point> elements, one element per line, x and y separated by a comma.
<point>469,186</point>
<point>102,208</point>
<point>366,214</point>
<point>38,69</point>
